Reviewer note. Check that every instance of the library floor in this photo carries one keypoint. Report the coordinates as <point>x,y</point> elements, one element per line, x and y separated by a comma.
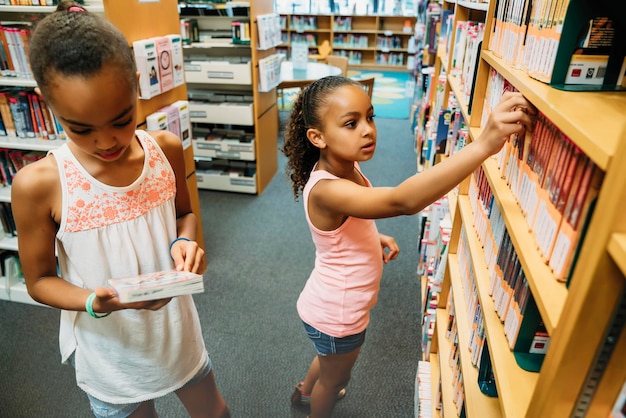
<point>259,254</point>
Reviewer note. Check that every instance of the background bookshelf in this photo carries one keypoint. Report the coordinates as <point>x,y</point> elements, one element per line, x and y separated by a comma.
<point>225,102</point>
<point>369,42</point>
<point>583,370</point>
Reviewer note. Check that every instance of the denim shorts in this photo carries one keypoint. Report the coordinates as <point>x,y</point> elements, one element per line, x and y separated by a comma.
<point>103,409</point>
<point>326,344</point>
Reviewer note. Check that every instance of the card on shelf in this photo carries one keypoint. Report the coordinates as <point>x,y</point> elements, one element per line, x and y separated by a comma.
<point>157,285</point>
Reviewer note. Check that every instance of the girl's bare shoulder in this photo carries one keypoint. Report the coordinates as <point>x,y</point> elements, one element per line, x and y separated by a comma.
<point>36,179</point>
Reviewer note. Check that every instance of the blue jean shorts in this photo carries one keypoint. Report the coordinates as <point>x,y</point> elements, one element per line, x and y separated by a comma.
<point>103,409</point>
<point>327,344</point>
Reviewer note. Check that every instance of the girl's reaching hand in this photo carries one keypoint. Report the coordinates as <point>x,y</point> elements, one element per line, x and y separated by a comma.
<point>390,248</point>
<point>513,115</point>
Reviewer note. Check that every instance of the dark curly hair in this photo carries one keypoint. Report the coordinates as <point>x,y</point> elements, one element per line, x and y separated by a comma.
<point>77,43</point>
<point>305,114</point>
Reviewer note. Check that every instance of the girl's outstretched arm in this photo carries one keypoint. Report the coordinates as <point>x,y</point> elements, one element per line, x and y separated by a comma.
<point>336,198</point>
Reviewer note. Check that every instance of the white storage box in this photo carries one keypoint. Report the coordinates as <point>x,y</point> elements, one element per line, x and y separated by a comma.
<point>218,72</point>
<point>223,113</point>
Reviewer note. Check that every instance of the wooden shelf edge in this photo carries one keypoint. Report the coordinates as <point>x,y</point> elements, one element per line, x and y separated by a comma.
<point>477,404</point>
<point>617,250</point>
<point>593,120</point>
<point>444,369</point>
<point>549,294</point>
<point>515,385</point>
<point>434,383</point>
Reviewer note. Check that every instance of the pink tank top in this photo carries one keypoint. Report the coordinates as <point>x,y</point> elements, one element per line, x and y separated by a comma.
<point>343,286</point>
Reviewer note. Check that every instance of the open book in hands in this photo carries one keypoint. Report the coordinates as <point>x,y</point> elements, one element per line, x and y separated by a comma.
<point>158,285</point>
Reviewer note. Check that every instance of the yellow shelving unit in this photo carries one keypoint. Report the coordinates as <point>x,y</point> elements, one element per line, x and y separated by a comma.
<point>579,319</point>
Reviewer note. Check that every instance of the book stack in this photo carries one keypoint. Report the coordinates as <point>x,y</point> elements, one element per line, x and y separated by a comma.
<point>454,360</point>
<point>14,41</point>
<point>13,160</point>
<point>24,114</point>
<point>158,285</point>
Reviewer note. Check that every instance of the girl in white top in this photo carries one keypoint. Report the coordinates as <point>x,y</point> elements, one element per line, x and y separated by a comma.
<point>113,202</point>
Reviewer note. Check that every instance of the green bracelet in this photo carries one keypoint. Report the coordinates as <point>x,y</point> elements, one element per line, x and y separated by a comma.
<point>89,306</point>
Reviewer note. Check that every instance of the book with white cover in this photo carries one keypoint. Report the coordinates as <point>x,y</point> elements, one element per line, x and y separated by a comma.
<point>157,285</point>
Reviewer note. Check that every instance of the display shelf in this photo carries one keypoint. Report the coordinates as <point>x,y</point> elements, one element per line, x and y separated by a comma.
<point>515,385</point>
<point>476,403</point>
<point>447,381</point>
<point>617,249</point>
<point>550,294</point>
<point>597,136</point>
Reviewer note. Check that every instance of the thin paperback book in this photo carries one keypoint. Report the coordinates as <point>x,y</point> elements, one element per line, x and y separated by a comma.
<point>157,285</point>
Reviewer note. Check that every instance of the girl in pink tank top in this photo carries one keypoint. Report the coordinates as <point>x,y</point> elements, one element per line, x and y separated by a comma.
<point>330,130</point>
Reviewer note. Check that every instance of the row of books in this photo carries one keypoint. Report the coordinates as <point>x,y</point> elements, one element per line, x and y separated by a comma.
<point>390,58</point>
<point>454,359</point>
<point>6,218</point>
<point>24,114</point>
<point>12,160</point>
<point>303,22</point>
<point>29,2</point>
<point>561,42</point>
<point>175,118</point>
<point>472,303</point>
<point>350,40</point>
<point>465,56</point>
<point>514,303</point>
<point>14,41</point>
<point>423,391</point>
<point>554,183</point>
<point>160,64</point>
<point>354,57</point>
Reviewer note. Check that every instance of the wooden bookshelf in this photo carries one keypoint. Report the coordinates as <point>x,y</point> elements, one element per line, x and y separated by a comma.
<point>367,27</point>
<point>574,376</point>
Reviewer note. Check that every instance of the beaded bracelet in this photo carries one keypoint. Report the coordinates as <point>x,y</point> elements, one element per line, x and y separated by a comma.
<point>89,306</point>
<point>178,239</point>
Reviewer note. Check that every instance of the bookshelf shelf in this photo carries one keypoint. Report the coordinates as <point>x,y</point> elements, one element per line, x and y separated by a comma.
<point>447,382</point>
<point>617,249</point>
<point>443,58</point>
<point>597,136</point>
<point>17,82</point>
<point>515,385</point>
<point>473,5</point>
<point>476,403</point>
<point>550,295</point>
<point>31,144</point>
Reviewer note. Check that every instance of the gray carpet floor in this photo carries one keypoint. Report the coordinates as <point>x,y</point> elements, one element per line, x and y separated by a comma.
<point>259,255</point>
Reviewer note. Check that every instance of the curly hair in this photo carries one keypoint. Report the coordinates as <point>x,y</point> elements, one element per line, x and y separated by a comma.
<point>305,114</point>
<point>77,43</point>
